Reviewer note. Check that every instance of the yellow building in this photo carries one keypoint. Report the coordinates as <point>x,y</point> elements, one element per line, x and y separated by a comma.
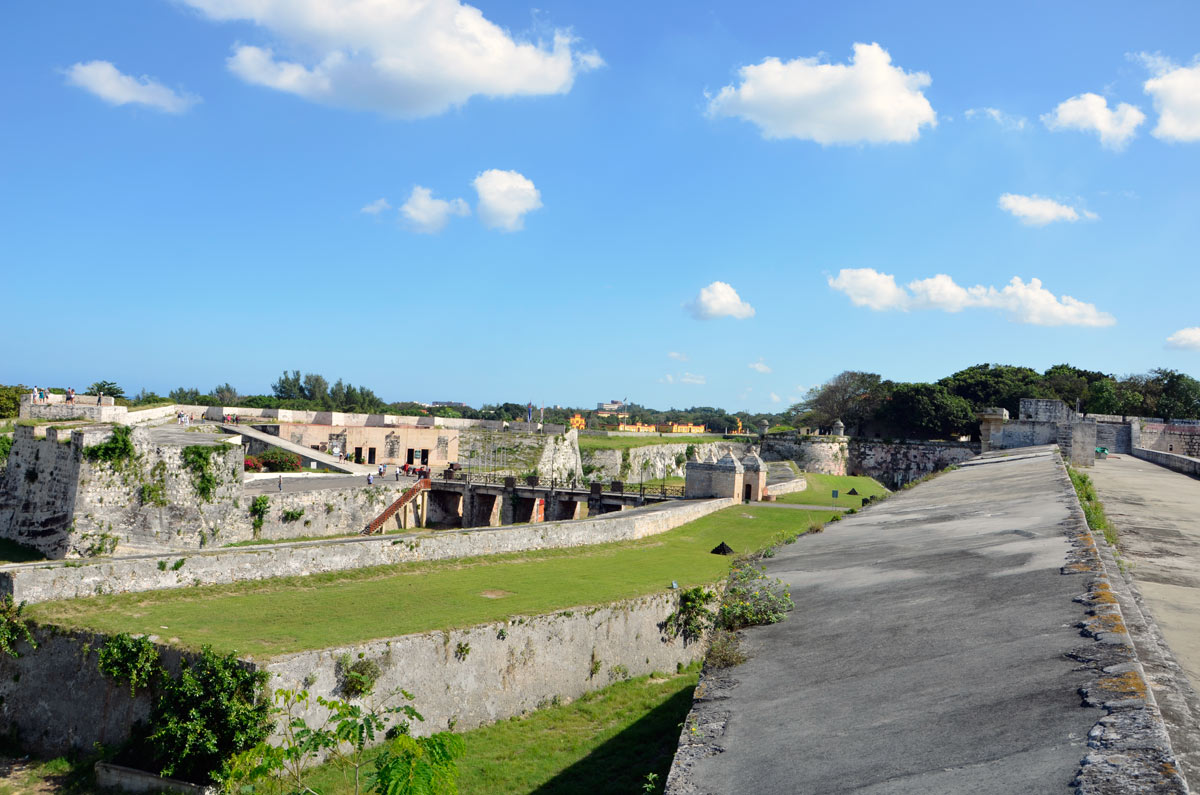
<point>578,423</point>
<point>673,427</point>
<point>636,427</point>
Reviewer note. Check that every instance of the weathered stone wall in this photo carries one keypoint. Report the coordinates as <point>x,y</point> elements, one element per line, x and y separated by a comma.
<point>1115,436</point>
<point>827,455</point>
<point>1038,410</point>
<point>1024,433</point>
<point>55,501</point>
<point>40,582</point>
<point>653,461</point>
<point>55,699</point>
<point>505,668</point>
<point>1178,439</point>
<point>891,463</point>
<point>1077,440</point>
<point>895,463</point>
<point>553,456</point>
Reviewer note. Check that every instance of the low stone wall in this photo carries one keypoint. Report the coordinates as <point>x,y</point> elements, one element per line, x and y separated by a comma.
<point>472,677</point>
<point>787,487</point>
<point>891,463</point>
<point>1179,439</point>
<point>41,582</point>
<point>1179,463</point>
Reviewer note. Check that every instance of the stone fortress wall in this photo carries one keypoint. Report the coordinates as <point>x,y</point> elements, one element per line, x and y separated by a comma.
<point>892,463</point>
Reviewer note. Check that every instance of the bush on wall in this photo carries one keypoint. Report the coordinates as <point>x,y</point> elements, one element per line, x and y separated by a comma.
<point>278,460</point>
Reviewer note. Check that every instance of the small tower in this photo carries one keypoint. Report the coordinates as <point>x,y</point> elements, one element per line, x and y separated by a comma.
<point>839,429</point>
<point>754,480</point>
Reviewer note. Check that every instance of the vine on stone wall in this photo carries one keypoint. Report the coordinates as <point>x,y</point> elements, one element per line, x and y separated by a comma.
<point>116,450</point>
<point>14,627</point>
<point>129,659</point>
<point>198,458</point>
<point>258,510</point>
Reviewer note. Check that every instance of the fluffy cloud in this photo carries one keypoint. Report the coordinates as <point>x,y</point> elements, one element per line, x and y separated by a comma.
<point>1186,338</point>
<point>504,199</point>
<point>868,99</point>
<point>408,58</point>
<point>1025,303</point>
<point>759,367</point>
<point>1176,93</point>
<point>376,207</point>
<point>719,300</point>
<point>677,356</point>
<point>1090,113</point>
<point>428,215</point>
<point>107,82</point>
<point>775,398</point>
<point>692,378</point>
<point>1039,211</point>
<point>1005,120</point>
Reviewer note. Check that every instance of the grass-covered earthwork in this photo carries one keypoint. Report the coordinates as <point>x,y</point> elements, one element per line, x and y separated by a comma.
<point>629,442</point>
<point>273,617</point>
<point>820,490</point>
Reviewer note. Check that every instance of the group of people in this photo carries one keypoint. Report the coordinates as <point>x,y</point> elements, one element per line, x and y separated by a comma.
<point>183,418</point>
<point>419,472</point>
<point>40,395</point>
<point>233,419</point>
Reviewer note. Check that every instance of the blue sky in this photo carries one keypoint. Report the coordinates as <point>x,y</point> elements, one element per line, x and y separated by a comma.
<point>678,203</point>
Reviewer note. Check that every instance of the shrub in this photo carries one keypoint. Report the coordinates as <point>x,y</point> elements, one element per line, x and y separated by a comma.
<point>6,443</point>
<point>129,659</point>
<point>253,464</point>
<point>292,514</point>
<point>117,449</point>
<point>724,649</point>
<point>214,709</point>
<point>751,599</point>
<point>258,510</point>
<point>358,677</point>
<point>692,617</point>
<point>279,460</point>
<point>14,627</point>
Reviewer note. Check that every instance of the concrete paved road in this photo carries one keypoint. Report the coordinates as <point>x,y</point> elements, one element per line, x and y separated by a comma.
<point>926,653</point>
<point>1157,515</point>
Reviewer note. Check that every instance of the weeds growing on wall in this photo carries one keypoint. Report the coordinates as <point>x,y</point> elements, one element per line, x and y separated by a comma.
<point>292,514</point>
<point>752,598</point>
<point>724,649</point>
<point>691,618</point>
<point>6,443</point>
<point>14,627</point>
<point>116,450</point>
<point>358,677</point>
<point>198,459</point>
<point>1093,509</point>
<point>258,510</point>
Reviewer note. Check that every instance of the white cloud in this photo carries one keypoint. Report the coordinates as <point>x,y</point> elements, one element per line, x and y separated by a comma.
<point>428,215</point>
<point>1025,303</point>
<point>677,356</point>
<point>1039,211</point>
<point>759,367</point>
<point>376,207</point>
<point>775,398</point>
<point>719,300</point>
<point>1090,113</point>
<point>667,379</point>
<point>107,82</point>
<point>407,58</point>
<point>504,199</point>
<point>1186,338</point>
<point>1176,93</point>
<point>692,378</point>
<point>868,99</point>
<point>1005,120</point>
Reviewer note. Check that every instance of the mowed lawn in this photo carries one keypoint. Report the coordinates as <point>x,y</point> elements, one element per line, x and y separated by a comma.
<point>604,742</point>
<point>820,490</point>
<point>273,617</point>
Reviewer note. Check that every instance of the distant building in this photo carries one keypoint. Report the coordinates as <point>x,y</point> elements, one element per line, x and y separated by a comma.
<point>578,422</point>
<point>636,427</point>
<point>680,427</point>
<point>449,403</point>
<point>612,405</point>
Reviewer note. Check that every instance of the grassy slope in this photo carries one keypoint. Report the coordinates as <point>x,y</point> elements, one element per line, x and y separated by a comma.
<point>274,617</point>
<point>604,742</point>
<point>628,442</point>
<point>820,490</point>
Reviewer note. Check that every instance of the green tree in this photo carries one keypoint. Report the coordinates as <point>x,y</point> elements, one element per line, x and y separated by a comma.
<point>1103,398</point>
<point>225,395</point>
<point>1003,385</point>
<point>1179,395</point>
<point>10,400</point>
<point>851,396</point>
<point>188,396</point>
<point>106,388</point>
<point>928,410</point>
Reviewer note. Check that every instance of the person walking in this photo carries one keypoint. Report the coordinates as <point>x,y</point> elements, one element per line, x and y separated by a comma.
<point>397,474</point>
<point>370,478</point>
<point>281,482</point>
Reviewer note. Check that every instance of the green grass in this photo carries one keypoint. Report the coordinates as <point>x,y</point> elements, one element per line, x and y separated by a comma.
<point>820,490</point>
<point>12,552</point>
<point>587,443</point>
<point>273,617</point>
<point>1093,509</point>
<point>603,742</point>
<point>655,483</point>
